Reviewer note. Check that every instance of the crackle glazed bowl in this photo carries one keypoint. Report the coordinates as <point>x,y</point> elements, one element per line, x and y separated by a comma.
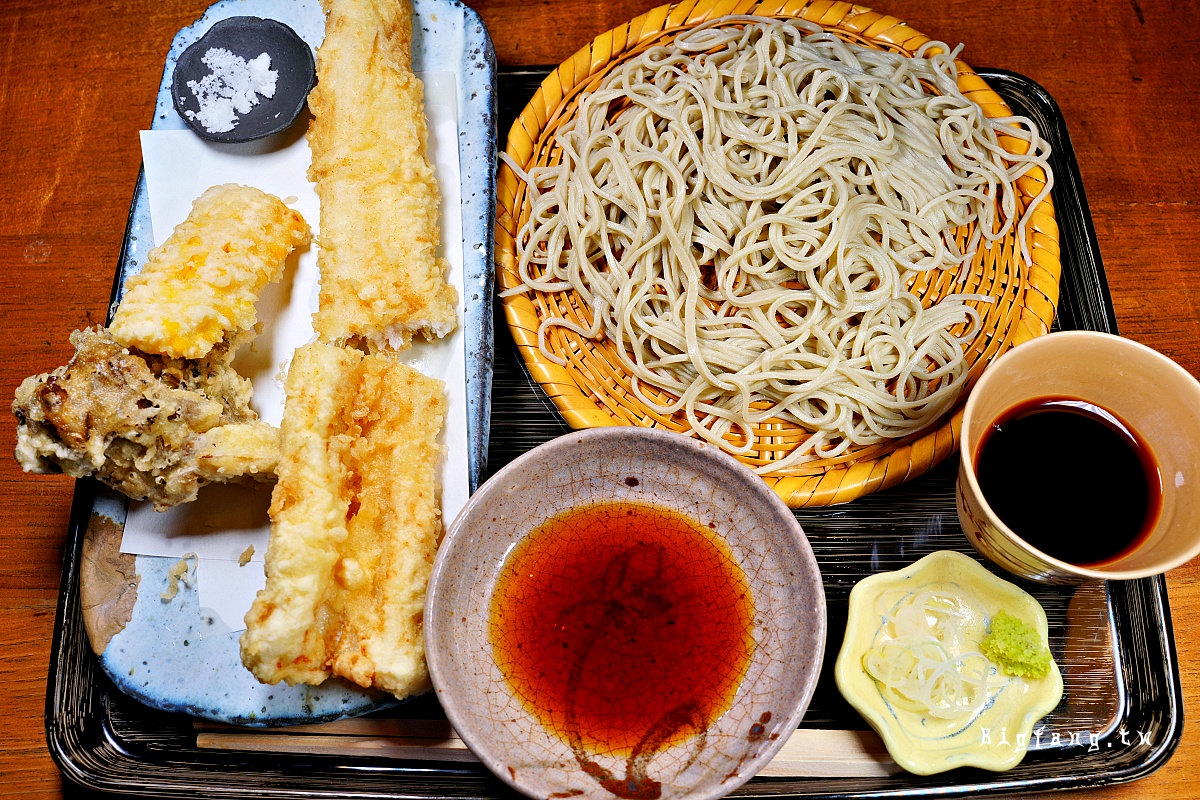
<point>625,612</point>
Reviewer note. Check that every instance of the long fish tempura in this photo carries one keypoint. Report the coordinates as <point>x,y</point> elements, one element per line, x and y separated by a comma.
<point>355,525</point>
<point>382,281</point>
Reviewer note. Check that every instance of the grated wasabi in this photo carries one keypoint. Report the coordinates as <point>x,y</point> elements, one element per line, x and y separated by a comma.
<point>1016,647</point>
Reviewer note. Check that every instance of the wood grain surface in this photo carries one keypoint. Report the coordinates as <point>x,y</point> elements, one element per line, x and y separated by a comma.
<point>78,81</point>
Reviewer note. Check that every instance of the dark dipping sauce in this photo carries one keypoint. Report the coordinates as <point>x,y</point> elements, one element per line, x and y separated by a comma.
<point>625,628</point>
<point>1071,479</point>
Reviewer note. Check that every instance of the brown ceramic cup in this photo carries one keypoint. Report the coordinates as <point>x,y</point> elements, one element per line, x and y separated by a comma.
<point>1151,394</point>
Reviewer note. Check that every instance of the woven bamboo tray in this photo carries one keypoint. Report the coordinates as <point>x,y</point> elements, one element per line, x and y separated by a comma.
<point>592,389</point>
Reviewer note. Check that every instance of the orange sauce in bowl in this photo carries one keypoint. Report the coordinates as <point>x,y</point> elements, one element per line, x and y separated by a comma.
<point>624,628</point>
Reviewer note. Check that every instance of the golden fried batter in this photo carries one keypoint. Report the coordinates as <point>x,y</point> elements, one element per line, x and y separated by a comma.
<point>151,405</point>
<point>139,423</point>
<point>238,450</point>
<point>201,284</point>
<point>381,279</point>
<point>355,524</point>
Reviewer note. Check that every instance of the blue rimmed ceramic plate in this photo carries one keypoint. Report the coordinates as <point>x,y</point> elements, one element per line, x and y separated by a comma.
<point>173,654</point>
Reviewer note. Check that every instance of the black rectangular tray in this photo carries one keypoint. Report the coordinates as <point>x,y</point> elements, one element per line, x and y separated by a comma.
<point>1121,717</point>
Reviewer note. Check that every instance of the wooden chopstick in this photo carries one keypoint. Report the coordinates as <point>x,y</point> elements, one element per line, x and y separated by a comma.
<point>807,753</point>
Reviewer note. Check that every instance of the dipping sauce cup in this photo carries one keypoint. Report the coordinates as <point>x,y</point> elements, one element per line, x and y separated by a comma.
<point>1081,460</point>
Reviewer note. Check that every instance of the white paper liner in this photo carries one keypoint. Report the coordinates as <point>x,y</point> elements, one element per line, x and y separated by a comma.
<point>225,520</point>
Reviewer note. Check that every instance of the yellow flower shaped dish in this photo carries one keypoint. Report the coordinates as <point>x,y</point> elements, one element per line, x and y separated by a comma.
<point>917,663</point>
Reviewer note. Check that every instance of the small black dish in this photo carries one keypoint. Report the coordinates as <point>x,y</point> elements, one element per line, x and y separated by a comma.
<point>247,38</point>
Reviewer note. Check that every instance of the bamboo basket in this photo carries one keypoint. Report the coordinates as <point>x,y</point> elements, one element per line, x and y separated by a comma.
<point>593,389</point>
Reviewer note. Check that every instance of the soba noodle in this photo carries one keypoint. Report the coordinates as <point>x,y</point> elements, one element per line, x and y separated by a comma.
<point>741,211</point>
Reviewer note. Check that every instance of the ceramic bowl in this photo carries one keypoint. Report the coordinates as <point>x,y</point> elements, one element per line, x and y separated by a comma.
<point>547,752</point>
<point>995,732</point>
<point>1148,392</point>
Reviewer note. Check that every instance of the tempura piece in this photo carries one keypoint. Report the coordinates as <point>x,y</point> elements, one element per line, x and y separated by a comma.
<point>229,452</point>
<point>202,282</point>
<point>152,406</point>
<point>142,424</point>
<point>382,280</point>
<point>355,524</point>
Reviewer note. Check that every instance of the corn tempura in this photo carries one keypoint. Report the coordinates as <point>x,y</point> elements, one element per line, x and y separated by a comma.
<point>201,284</point>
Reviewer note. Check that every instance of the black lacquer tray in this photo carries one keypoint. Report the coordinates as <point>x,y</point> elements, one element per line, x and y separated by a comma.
<point>1121,717</point>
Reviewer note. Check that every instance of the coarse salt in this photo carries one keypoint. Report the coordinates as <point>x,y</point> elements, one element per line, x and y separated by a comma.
<point>232,88</point>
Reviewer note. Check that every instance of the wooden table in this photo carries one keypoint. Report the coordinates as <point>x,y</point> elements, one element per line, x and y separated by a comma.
<point>78,82</point>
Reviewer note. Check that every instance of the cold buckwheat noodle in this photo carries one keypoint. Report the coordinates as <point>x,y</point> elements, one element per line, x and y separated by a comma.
<point>741,210</point>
